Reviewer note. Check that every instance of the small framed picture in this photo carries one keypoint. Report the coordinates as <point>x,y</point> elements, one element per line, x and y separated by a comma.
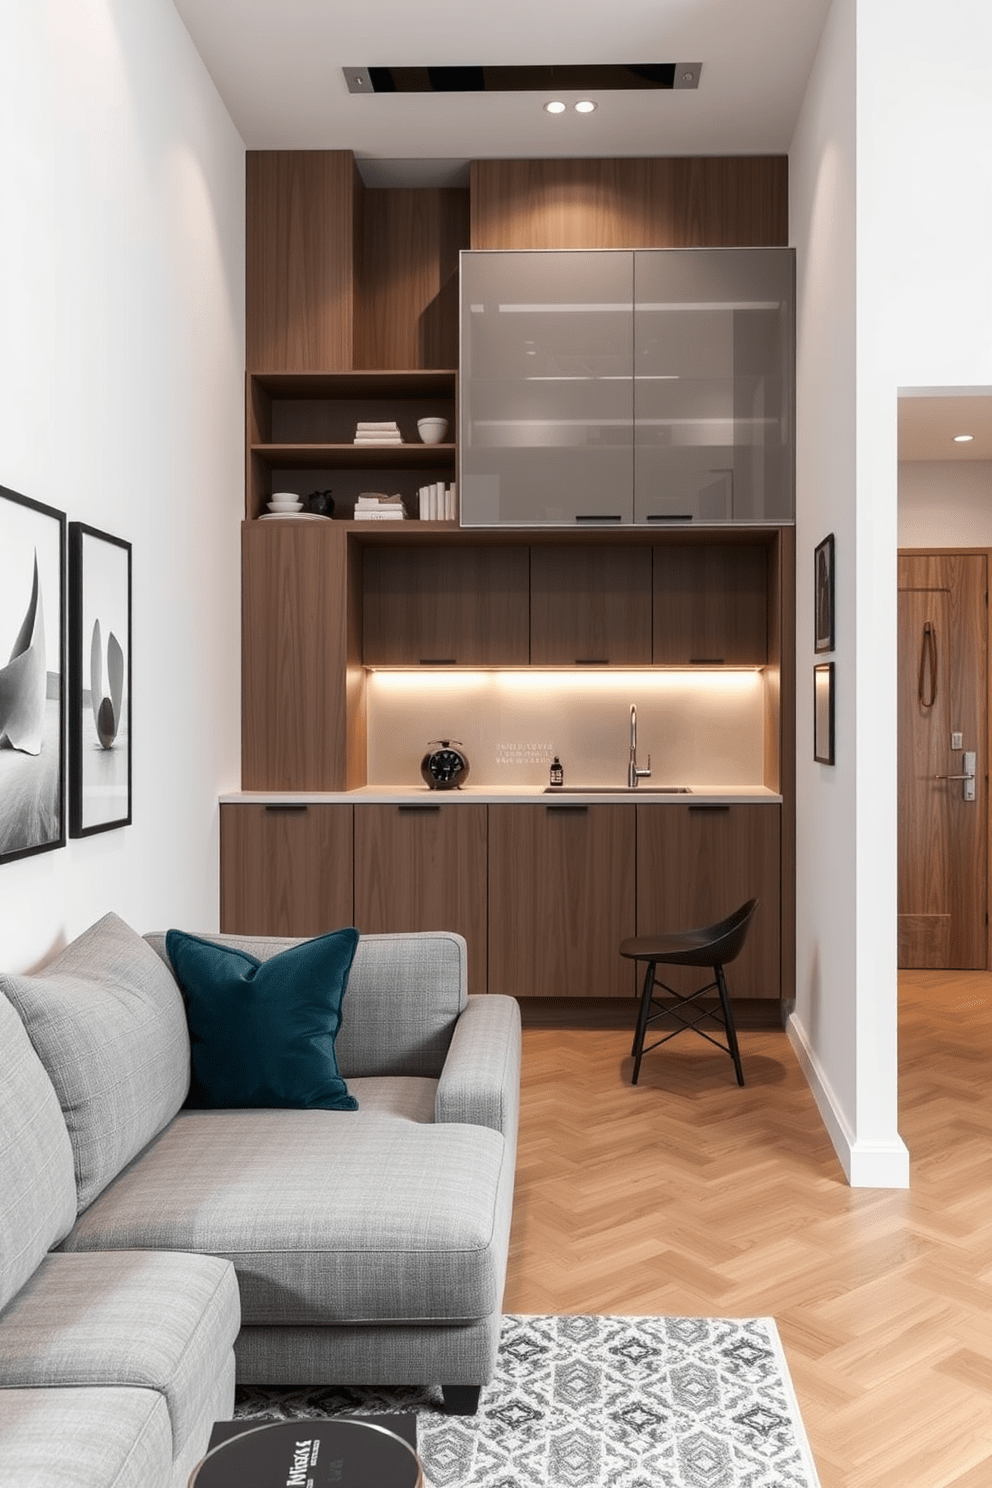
<point>823,713</point>
<point>823,595</point>
<point>100,681</point>
<point>32,676</point>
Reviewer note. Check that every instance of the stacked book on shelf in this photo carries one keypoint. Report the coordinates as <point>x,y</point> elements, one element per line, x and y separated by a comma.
<point>370,506</point>
<point>386,432</point>
<point>438,502</point>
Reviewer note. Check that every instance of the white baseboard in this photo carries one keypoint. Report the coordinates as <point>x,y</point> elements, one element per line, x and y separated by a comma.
<point>866,1164</point>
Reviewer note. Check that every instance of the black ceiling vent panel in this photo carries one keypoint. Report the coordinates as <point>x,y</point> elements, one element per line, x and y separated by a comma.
<point>607,78</point>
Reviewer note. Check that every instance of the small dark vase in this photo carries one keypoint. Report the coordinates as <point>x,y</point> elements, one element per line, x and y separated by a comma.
<point>321,503</point>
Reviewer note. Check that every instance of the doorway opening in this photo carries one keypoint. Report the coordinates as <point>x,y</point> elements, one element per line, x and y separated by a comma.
<point>945,567</point>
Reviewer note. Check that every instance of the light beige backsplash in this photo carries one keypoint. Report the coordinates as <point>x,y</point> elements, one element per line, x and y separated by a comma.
<point>700,728</point>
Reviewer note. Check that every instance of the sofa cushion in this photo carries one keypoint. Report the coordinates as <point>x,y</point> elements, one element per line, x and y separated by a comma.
<point>405,994</point>
<point>147,1319</point>
<point>89,1438</point>
<point>36,1174</point>
<point>107,1021</point>
<point>328,1217</point>
<point>262,1032</point>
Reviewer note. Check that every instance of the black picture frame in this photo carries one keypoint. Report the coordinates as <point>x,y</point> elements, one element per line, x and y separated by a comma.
<point>100,738</point>
<point>823,713</point>
<point>32,676</point>
<point>823,595</point>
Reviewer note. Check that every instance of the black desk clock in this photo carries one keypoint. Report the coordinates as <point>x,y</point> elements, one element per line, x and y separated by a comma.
<point>445,765</point>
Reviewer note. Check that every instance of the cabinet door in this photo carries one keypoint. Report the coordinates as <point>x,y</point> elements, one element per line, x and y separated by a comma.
<point>285,870</point>
<point>590,605</point>
<point>467,606</point>
<point>561,899</point>
<point>713,386</point>
<point>696,865</point>
<point>711,604</point>
<point>423,867</point>
<point>546,388</point>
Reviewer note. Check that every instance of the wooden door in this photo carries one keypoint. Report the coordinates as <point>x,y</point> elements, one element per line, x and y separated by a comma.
<point>466,606</point>
<point>286,869</point>
<point>561,899</point>
<point>696,865</point>
<point>943,847</point>
<point>423,867</point>
<point>590,605</point>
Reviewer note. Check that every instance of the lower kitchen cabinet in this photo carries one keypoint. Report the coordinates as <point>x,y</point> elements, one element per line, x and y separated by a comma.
<point>697,864</point>
<point>423,867</point>
<point>561,899</point>
<point>285,869</point>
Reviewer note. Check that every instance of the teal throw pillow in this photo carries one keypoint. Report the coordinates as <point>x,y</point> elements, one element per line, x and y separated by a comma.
<point>262,1032</point>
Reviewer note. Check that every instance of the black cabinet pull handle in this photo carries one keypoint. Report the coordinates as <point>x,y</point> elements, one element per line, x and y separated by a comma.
<point>599,517</point>
<point>673,517</point>
<point>592,661</point>
<point>418,808</point>
<point>287,806</point>
<point>709,808</point>
<point>438,661</point>
<point>566,808</point>
<point>706,661</point>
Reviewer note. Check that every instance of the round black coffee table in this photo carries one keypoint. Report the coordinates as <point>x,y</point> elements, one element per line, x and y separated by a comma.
<point>347,1453</point>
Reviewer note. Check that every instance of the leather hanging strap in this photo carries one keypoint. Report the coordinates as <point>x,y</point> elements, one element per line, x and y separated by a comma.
<point>928,660</point>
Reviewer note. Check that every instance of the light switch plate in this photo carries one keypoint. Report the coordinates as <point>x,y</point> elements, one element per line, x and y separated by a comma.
<point>957,741</point>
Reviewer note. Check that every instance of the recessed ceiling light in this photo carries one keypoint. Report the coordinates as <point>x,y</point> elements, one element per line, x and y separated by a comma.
<point>555,107</point>
<point>585,107</point>
<point>963,438</point>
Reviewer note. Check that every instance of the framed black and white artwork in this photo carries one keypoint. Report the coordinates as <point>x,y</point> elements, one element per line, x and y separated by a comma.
<point>32,676</point>
<point>823,713</point>
<point>823,592</point>
<point>100,685</point>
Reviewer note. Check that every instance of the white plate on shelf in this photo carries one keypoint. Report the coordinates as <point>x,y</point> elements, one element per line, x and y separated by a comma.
<point>292,517</point>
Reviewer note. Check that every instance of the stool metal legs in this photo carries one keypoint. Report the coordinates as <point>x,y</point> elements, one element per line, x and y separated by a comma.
<point>676,1010</point>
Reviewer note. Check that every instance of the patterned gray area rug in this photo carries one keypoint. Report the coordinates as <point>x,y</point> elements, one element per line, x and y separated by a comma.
<point>602,1402</point>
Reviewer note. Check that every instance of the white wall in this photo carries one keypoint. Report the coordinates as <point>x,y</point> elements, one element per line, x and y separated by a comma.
<point>121,403</point>
<point>891,189</point>
<point>945,504</point>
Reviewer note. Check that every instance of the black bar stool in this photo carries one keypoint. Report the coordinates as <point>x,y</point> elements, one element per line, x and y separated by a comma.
<point>712,945</point>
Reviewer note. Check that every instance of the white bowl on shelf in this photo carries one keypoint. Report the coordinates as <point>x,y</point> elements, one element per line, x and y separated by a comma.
<point>285,504</point>
<point>432,430</point>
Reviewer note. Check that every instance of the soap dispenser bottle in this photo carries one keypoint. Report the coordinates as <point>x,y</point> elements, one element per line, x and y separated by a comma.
<point>557,772</point>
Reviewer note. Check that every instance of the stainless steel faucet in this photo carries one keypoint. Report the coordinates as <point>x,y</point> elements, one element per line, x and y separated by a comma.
<point>633,773</point>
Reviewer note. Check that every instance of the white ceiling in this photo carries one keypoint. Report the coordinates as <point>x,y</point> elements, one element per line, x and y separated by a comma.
<point>929,420</point>
<point>277,65</point>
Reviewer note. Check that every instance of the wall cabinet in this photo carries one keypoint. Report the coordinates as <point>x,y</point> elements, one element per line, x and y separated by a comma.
<point>561,898</point>
<point>653,386</point>
<point>590,605</point>
<point>285,870</point>
<point>423,867</point>
<point>710,605</point>
<point>695,865</point>
<point>464,606</point>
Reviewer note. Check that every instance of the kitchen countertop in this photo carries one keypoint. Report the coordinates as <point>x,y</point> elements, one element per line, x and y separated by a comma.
<point>399,795</point>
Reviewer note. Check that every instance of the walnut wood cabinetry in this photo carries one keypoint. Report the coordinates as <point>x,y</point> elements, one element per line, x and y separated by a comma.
<point>697,863</point>
<point>423,867</point>
<point>711,605</point>
<point>285,870</point>
<point>465,606</point>
<point>590,604</point>
<point>561,899</point>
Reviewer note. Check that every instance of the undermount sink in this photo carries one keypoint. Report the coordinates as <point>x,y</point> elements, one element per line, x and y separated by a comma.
<point>613,790</point>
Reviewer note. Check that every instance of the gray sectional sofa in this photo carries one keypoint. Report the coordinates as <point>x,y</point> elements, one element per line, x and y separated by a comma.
<point>150,1254</point>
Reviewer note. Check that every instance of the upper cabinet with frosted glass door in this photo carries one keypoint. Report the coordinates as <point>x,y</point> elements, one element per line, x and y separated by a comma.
<point>546,390</point>
<point>714,337</point>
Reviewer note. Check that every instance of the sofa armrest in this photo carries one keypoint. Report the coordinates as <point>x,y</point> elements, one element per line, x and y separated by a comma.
<point>480,1081</point>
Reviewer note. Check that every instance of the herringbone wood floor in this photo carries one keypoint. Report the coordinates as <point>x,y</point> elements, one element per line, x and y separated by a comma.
<point>686,1195</point>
